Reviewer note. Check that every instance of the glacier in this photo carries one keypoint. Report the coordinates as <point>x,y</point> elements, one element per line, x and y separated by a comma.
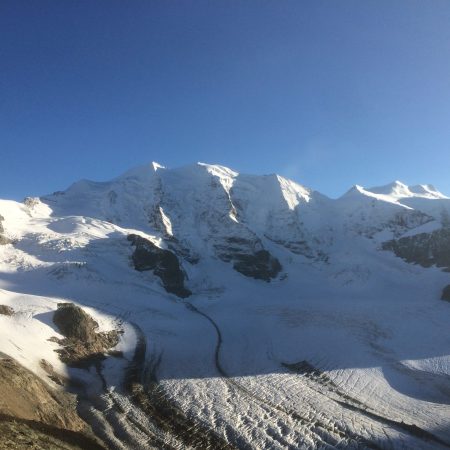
<point>301,326</point>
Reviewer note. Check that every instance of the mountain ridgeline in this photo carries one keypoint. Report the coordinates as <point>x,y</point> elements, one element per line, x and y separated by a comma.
<point>185,214</point>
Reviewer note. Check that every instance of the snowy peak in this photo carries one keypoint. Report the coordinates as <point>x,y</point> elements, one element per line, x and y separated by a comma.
<point>427,191</point>
<point>394,207</point>
<point>218,170</point>
<point>156,166</point>
<point>397,190</point>
<point>355,190</point>
<point>141,173</point>
<point>390,193</point>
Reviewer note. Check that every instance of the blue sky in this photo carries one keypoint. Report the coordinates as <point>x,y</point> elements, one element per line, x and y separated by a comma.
<point>328,93</point>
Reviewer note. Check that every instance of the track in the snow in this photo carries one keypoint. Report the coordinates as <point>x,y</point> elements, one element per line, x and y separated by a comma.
<point>345,402</point>
<point>315,427</point>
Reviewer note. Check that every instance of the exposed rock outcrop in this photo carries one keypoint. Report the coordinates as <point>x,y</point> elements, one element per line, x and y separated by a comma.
<point>6,310</point>
<point>260,265</point>
<point>426,249</point>
<point>32,415</point>
<point>248,257</point>
<point>446,293</point>
<point>31,202</point>
<point>82,345</point>
<point>368,223</point>
<point>163,263</point>
<point>3,239</point>
<point>52,374</point>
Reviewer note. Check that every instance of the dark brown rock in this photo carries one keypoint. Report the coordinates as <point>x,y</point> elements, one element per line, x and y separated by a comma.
<point>446,293</point>
<point>163,263</point>
<point>74,323</point>
<point>248,257</point>
<point>3,239</point>
<point>33,415</point>
<point>82,346</point>
<point>260,265</point>
<point>6,310</point>
<point>426,249</point>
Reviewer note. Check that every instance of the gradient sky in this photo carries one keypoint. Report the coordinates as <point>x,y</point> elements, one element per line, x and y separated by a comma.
<point>329,93</point>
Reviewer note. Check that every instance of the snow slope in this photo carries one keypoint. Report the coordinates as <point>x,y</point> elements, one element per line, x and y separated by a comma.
<point>346,346</point>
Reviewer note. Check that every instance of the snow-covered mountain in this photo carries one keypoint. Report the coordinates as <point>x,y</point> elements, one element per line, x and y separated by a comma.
<point>250,311</point>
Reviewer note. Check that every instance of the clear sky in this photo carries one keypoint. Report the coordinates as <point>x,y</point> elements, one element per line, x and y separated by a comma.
<point>329,93</point>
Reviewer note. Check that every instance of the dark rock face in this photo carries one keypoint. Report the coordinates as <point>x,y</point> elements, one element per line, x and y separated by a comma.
<point>249,258</point>
<point>446,293</point>
<point>35,416</point>
<point>3,239</point>
<point>74,323</point>
<point>163,263</point>
<point>426,249</point>
<point>366,222</point>
<point>82,346</point>
<point>260,265</point>
<point>6,310</point>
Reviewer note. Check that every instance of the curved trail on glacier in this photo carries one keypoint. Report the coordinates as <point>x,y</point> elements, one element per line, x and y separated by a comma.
<point>168,427</point>
<point>310,427</point>
<point>412,430</point>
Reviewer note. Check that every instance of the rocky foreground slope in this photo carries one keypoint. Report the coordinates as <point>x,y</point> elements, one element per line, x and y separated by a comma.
<point>33,415</point>
<point>220,310</point>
